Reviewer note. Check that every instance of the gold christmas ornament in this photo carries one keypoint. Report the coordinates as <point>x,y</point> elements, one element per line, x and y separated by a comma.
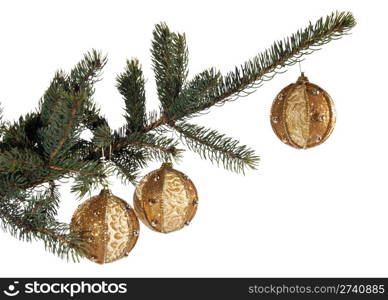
<point>108,225</point>
<point>165,200</point>
<point>303,114</point>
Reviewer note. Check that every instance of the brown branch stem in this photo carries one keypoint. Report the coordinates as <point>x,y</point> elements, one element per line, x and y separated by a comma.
<point>54,168</point>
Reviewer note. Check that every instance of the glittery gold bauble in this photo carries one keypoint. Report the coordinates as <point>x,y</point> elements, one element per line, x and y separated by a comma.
<point>108,225</point>
<point>303,114</point>
<point>165,200</point>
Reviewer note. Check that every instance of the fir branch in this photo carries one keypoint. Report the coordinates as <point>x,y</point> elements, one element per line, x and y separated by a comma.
<point>169,58</point>
<point>51,100</point>
<point>22,134</point>
<point>46,204</point>
<point>265,65</point>
<point>56,236</point>
<point>128,162</point>
<point>59,133</point>
<point>163,120</point>
<point>85,182</point>
<point>158,147</point>
<point>3,125</point>
<point>103,136</point>
<point>19,181</point>
<point>201,89</point>
<point>68,129</point>
<point>82,77</point>
<point>92,118</point>
<point>62,107</point>
<point>130,84</point>
<point>88,71</point>
<point>67,170</point>
<point>181,55</point>
<point>159,144</point>
<point>282,53</point>
<point>216,147</point>
<point>24,161</point>
<point>20,160</point>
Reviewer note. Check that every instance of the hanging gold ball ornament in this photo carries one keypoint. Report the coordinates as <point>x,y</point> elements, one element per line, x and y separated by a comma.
<point>165,199</point>
<point>303,114</point>
<point>108,225</point>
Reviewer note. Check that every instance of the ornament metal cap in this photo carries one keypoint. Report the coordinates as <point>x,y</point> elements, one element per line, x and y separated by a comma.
<point>167,165</point>
<point>106,191</point>
<point>302,78</point>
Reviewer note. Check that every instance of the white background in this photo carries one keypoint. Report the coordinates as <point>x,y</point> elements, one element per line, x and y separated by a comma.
<point>317,212</point>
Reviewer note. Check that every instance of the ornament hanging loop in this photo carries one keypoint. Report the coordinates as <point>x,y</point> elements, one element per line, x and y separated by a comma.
<point>104,182</point>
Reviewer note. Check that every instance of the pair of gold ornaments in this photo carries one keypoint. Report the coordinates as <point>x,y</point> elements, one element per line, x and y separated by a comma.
<point>302,116</point>
<point>165,200</point>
